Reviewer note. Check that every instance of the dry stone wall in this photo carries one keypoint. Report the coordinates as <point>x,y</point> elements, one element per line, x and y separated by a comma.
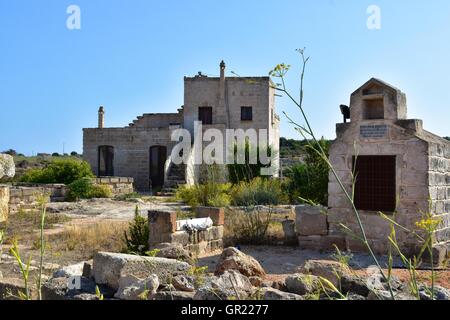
<point>439,182</point>
<point>4,203</point>
<point>163,229</point>
<point>119,185</point>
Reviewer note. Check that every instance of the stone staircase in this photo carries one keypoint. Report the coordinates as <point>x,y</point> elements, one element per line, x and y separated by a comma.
<point>175,177</point>
<point>132,124</point>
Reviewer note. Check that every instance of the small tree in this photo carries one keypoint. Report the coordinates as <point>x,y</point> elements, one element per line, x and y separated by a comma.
<point>309,180</point>
<point>11,152</point>
<point>137,237</point>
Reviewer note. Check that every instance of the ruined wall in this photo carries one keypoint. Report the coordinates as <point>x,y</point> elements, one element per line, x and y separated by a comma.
<point>157,120</point>
<point>163,229</point>
<point>131,150</point>
<point>439,181</point>
<point>119,186</point>
<point>4,203</point>
<point>25,196</point>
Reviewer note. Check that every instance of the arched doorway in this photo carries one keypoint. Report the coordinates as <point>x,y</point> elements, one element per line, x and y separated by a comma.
<point>158,157</point>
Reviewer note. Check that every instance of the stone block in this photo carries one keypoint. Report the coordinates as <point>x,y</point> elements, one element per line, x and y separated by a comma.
<point>217,215</point>
<point>181,237</point>
<point>215,233</point>
<point>108,268</point>
<point>162,225</point>
<point>215,245</point>
<point>4,203</point>
<point>311,221</point>
<point>326,243</point>
<point>10,288</point>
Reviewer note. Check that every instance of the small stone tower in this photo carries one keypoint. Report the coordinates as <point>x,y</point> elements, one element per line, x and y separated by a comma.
<point>101,117</point>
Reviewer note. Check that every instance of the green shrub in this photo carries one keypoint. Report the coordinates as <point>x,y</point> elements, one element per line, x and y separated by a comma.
<point>259,191</point>
<point>249,226</point>
<point>309,180</point>
<point>208,194</point>
<point>59,171</point>
<point>246,171</point>
<point>137,237</point>
<point>85,189</point>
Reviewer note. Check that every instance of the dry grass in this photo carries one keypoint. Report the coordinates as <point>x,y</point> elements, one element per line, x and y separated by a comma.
<point>243,229</point>
<point>24,225</point>
<point>89,239</point>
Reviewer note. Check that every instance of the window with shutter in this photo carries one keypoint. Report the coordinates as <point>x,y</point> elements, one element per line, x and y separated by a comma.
<point>375,183</point>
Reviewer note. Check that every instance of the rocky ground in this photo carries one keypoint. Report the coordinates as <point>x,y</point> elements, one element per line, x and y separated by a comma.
<point>235,276</point>
<point>77,231</point>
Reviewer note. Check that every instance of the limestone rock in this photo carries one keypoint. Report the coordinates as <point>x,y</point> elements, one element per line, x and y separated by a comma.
<point>184,283</point>
<point>303,284</point>
<point>174,251</point>
<point>311,220</point>
<point>440,293</point>
<point>385,295</point>
<point>108,268</point>
<point>10,288</point>
<point>65,288</point>
<point>70,271</point>
<point>274,294</point>
<point>233,259</point>
<point>256,281</point>
<point>355,285</point>
<point>7,166</point>
<point>330,270</point>
<point>4,202</point>
<point>173,295</point>
<point>355,297</point>
<point>279,285</point>
<point>86,297</point>
<point>230,285</point>
<point>133,288</point>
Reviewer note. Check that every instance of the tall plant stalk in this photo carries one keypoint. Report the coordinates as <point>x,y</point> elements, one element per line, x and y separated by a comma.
<point>306,131</point>
<point>43,210</point>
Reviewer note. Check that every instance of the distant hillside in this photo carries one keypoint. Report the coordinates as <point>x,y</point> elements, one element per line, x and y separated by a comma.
<point>447,138</point>
<point>291,148</point>
<point>24,163</point>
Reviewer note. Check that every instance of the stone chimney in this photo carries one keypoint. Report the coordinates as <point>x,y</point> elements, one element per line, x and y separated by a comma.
<point>222,87</point>
<point>101,118</point>
<point>222,70</point>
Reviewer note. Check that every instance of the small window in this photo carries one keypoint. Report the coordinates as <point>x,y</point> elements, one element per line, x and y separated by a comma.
<point>375,183</point>
<point>246,114</point>
<point>373,109</point>
<point>205,115</point>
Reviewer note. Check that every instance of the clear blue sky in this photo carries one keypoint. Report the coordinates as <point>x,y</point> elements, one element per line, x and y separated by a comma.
<point>131,56</point>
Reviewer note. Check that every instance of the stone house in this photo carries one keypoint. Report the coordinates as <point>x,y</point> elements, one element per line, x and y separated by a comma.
<point>399,167</point>
<point>142,149</point>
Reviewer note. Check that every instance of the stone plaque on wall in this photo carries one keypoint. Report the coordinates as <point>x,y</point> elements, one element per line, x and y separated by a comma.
<point>373,132</point>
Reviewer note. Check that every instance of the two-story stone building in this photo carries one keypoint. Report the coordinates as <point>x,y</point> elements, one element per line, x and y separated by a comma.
<point>142,150</point>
